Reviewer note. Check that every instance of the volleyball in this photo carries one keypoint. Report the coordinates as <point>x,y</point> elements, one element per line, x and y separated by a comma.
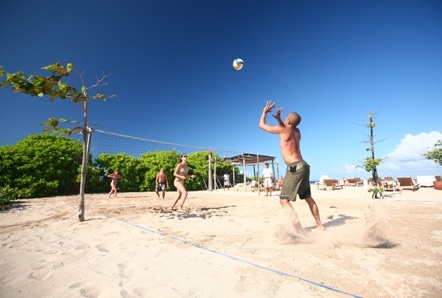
<point>238,64</point>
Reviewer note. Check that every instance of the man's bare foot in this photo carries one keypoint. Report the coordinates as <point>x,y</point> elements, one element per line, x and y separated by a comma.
<point>320,227</point>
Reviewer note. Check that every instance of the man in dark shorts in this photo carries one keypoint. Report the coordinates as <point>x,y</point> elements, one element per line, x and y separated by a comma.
<point>161,183</point>
<point>296,180</point>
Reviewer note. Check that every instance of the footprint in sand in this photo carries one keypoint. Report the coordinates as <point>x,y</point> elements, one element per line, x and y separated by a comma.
<point>74,286</point>
<point>101,247</point>
<point>38,265</point>
<point>81,246</point>
<point>121,268</point>
<point>40,274</point>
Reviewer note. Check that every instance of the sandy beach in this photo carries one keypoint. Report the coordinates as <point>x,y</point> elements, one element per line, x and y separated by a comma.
<point>227,244</point>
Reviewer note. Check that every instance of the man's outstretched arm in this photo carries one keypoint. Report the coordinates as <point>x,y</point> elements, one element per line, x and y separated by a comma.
<point>263,121</point>
<point>277,116</point>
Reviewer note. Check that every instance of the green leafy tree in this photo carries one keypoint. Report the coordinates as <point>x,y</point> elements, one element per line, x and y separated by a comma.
<point>129,167</point>
<point>55,87</point>
<point>221,167</point>
<point>198,163</point>
<point>371,163</point>
<point>41,165</point>
<point>436,153</point>
<point>96,179</point>
<point>152,162</point>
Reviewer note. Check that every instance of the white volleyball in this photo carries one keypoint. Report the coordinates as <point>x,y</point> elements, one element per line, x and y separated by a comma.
<point>238,64</point>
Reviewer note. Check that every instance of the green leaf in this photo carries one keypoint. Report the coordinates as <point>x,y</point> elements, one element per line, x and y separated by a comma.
<point>69,67</point>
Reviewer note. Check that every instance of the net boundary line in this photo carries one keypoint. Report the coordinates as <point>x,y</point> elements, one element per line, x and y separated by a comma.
<point>184,241</point>
<point>199,246</point>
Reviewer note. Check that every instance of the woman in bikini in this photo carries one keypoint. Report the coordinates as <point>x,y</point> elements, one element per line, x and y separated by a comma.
<point>114,176</point>
<point>181,173</point>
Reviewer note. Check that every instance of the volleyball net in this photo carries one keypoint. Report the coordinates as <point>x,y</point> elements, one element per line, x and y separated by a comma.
<point>113,143</point>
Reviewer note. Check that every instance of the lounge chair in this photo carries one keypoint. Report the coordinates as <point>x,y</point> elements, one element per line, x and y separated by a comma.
<point>320,184</point>
<point>359,182</point>
<point>354,182</point>
<point>351,182</point>
<point>407,183</point>
<point>389,184</point>
<point>254,187</point>
<point>332,183</point>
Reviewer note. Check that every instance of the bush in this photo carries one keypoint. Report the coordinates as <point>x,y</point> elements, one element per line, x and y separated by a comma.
<point>7,195</point>
<point>435,154</point>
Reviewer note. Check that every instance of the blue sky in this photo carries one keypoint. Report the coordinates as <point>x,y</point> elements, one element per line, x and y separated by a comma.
<point>171,66</point>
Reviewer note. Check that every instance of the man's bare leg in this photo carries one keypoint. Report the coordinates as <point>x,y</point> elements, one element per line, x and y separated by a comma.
<point>315,212</point>
<point>292,215</point>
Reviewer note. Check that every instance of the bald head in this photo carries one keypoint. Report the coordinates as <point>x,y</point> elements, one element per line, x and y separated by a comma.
<point>294,118</point>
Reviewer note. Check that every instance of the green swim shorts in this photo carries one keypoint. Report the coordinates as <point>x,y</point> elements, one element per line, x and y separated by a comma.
<point>296,182</point>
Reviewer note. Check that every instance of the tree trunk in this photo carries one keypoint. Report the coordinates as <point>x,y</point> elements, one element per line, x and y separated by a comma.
<point>374,171</point>
<point>86,145</point>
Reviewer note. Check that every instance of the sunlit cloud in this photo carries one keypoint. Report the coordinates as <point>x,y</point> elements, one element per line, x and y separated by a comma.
<point>405,160</point>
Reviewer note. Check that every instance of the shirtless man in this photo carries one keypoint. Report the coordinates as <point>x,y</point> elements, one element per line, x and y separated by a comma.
<point>161,183</point>
<point>114,176</point>
<point>296,180</point>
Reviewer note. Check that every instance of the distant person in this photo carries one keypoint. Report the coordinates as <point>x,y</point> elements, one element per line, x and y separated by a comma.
<point>267,179</point>
<point>114,182</point>
<point>161,183</point>
<point>227,181</point>
<point>181,174</point>
<point>280,182</point>
<point>296,180</point>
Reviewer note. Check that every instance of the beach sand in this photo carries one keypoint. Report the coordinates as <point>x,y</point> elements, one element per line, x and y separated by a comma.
<point>228,244</point>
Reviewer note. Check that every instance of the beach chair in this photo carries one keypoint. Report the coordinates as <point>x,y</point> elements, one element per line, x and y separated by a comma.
<point>255,187</point>
<point>359,181</point>
<point>332,183</point>
<point>380,182</point>
<point>355,182</point>
<point>351,182</point>
<point>389,184</point>
<point>320,184</point>
<point>407,183</point>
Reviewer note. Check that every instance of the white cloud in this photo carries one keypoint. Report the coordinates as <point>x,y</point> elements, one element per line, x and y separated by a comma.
<point>412,147</point>
<point>405,160</point>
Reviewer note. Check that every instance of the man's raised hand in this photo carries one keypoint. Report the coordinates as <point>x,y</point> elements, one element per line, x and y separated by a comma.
<point>269,106</point>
